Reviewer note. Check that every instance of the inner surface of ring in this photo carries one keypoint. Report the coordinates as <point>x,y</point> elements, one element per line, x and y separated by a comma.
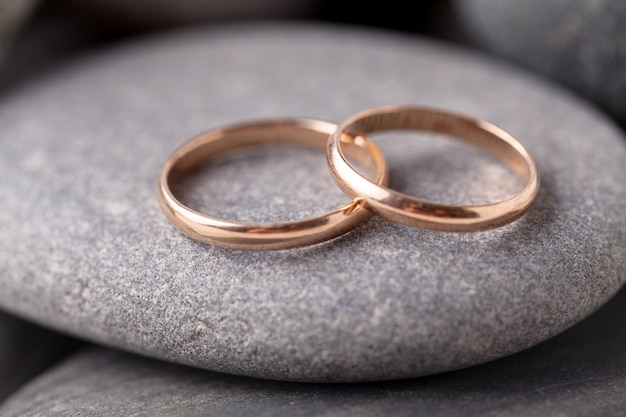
<point>435,167</point>
<point>476,163</point>
<point>480,134</point>
<point>266,174</point>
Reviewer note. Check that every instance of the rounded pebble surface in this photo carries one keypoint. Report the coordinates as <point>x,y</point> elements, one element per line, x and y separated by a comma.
<point>85,248</point>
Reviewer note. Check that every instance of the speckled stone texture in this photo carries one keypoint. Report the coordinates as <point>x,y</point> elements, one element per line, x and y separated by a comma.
<point>27,350</point>
<point>579,373</point>
<point>582,44</point>
<point>85,248</point>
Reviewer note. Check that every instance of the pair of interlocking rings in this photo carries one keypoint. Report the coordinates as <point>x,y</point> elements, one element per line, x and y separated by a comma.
<point>370,196</point>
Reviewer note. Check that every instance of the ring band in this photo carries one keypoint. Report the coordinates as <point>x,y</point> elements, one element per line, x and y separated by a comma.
<point>264,236</point>
<point>415,212</point>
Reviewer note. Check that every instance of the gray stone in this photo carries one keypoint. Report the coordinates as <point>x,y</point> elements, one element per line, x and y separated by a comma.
<point>85,248</point>
<point>26,350</point>
<point>579,373</point>
<point>582,44</point>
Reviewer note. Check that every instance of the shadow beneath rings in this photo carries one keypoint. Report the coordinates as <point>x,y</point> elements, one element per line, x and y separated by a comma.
<point>537,223</point>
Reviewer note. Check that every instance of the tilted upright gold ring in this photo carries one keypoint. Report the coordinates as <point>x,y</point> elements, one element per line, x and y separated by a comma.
<point>264,236</point>
<point>416,212</point>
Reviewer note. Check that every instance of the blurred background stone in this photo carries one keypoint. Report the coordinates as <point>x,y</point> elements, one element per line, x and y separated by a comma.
<point>579,43</point>
<point>49,39</point>
<point>26,350</point>
<point>141,15</point>
<point>580,373</point>
<point>13,15</point>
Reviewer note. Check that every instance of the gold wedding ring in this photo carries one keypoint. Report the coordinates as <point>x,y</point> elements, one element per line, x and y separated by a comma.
<point>264,236</point>
<point>415,212</point>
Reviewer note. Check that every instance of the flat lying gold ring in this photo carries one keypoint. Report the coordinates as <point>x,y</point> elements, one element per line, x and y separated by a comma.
<point>411,211</point>
<point>264,236</point>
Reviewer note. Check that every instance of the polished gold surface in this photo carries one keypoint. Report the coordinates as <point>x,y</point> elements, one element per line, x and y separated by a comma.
<point>264,236</point>
<point>412,211</point>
